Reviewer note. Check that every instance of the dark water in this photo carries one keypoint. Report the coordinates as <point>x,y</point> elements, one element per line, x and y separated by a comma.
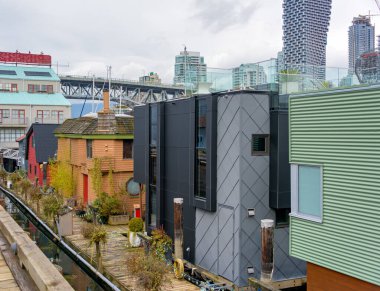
<point>77,278</point>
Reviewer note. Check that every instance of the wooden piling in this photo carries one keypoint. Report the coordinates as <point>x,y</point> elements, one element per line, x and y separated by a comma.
<point>178,228</point>
<point>267,231</point>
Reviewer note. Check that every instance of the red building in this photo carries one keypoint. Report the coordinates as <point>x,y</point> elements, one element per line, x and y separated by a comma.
<point>41,144</point>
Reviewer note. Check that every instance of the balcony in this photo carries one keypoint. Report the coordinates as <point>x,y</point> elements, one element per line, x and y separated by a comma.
<point>12,122</point>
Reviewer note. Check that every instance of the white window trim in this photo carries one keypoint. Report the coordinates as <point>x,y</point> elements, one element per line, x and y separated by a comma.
<point>294,194</point>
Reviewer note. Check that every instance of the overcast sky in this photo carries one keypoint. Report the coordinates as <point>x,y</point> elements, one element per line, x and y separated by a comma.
<point>138,37</point>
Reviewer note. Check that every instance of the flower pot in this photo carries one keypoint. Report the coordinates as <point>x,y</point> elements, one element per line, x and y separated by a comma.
<point>134,239</point>
<point>118,219</point>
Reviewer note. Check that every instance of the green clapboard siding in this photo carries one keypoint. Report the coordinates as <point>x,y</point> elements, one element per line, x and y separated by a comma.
<point>340,130</point>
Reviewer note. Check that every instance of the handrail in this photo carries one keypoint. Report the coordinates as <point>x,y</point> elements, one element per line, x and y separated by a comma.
<point>84,265</point>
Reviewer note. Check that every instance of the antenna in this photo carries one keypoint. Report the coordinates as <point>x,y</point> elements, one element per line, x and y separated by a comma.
<point>60,66</point>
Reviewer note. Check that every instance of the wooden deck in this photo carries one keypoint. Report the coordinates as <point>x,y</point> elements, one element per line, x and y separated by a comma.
<point>7,281</point>
<point>115,254</point>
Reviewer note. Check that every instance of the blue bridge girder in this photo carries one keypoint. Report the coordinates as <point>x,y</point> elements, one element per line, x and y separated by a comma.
<point>129,92</point>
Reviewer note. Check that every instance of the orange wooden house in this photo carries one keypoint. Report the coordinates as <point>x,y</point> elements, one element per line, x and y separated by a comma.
<point>100,140</point>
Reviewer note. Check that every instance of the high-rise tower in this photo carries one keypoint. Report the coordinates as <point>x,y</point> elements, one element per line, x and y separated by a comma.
<point>361,39</point>
<point>190,69</point>
<point>305,27</point>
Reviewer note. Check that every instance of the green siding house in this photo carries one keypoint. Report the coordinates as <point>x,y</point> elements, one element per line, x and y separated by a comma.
<point>335,174</point>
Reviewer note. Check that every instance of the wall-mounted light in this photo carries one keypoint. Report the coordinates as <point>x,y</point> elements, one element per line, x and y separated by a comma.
<point>250,270</point>
<point>251,212</point>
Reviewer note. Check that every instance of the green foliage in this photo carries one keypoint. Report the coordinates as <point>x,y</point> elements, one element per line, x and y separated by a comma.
<point>136,224</point>
<point>106,205</point>
<point>62,178</point>
<point>161,243</point>
<point>3,175</point>
<point>51,205</point>
<point>98,235</point>
<point>36,195</point>
<point>24,187</point>
<point>149,270</point>
<point>110,180</point>
<point>96,176</point>
<point>15,177</point>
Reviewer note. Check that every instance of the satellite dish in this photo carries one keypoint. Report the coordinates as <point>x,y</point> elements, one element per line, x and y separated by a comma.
<point>133,188</point>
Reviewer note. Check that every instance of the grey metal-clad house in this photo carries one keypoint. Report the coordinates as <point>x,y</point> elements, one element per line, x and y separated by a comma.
<point>224,154</point>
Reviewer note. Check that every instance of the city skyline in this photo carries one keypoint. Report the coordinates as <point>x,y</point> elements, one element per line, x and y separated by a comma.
<point>226,35</point>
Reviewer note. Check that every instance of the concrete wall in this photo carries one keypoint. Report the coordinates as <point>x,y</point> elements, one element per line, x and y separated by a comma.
<point>228,241</point>
<point>41,270</point>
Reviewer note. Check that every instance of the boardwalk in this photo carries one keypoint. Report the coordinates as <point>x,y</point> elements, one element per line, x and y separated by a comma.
<point>115,254</point>
<point>7,281</point>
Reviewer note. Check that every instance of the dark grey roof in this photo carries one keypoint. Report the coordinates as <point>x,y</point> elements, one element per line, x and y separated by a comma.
<point>89,125</point>
<point>44,139</point>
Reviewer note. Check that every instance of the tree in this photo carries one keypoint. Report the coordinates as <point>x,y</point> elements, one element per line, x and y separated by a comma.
<point>96,176</point>
<point>25,186</point>
<point>97,236</point>
<point>51,205</point>
<point>36,195</point>
<point>62,178</point>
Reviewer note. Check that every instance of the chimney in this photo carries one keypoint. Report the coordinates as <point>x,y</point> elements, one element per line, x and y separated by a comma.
<point>106,100</point>
<point>106,117</point>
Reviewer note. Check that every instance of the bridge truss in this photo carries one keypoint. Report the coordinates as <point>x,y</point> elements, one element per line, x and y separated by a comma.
<point>129,93</point>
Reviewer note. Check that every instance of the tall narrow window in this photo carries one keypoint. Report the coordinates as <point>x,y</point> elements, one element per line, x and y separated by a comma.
<point>153,165</point>
<point>260,144</point>
<point>89,148</point>
<point>201,144</point>
<point>127,149</point>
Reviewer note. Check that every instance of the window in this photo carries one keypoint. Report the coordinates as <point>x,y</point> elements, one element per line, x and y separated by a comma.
<point>89,148</point>
<point>57,116</point>
<point>307,191</point>
<point>153,120</point>
<point>35,170</point>
<point>37,74</point>
<point>34,88</point>
<point>201,144</point>
<point>30,169</point>
<point>127,149</point>
<point>10,134</point>
<point>260,144</point>
<point>8,87</point>
<point>33,142</point>
<point>152,186</point>
<point>43,115</point>
<point>4,113</point>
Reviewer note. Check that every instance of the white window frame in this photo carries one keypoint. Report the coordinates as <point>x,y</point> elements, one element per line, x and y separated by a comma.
<point>294,193</point>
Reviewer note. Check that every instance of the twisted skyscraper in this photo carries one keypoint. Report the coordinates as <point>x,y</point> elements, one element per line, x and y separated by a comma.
<point>305,27</point>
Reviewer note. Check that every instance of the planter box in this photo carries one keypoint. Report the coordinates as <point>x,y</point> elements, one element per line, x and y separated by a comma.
<point>65,224</point>
<point>118,219</point>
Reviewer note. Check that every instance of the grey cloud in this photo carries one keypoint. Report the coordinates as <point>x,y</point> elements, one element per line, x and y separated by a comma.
<point>216,15</point>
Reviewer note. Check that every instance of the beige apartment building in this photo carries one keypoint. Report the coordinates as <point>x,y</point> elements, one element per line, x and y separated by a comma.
<point>28,95</point>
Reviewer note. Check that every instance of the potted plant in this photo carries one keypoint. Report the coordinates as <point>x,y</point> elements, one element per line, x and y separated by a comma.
<point>161,245</point>
<point>105,206</point>
<point>135,225</point>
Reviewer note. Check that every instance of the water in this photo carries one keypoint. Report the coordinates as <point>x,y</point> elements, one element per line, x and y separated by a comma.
<point>76,277</point>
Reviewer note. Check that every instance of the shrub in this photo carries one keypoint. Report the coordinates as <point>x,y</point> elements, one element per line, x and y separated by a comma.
<point>3,175</point>
<point>51,205</point>
<point>149,271</point>
<point>136,224</point>
<point>161,243</point>
<point>106,205</point>
<point>87,230</point>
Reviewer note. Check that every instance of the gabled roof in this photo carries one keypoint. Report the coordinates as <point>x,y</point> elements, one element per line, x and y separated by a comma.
<point>28,73</point>
<point>44,139</point>
<point>24,98</point>
<point>89,126</point>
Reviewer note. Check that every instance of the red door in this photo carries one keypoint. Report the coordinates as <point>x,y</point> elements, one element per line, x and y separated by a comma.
<point>85,189</point>
<point>138,213</point>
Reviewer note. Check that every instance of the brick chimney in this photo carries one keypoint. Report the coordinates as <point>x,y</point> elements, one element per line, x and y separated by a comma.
<point>106,117</point>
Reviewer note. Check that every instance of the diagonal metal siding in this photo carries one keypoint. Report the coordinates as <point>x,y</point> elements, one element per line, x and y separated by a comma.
<point>341,131</point>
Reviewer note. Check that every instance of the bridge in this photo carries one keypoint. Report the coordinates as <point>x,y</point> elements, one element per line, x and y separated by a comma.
<point>129,92</point>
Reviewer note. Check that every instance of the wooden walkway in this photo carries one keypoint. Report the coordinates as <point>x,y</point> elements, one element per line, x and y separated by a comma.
<point>115,254</point>
<point>7,281</point>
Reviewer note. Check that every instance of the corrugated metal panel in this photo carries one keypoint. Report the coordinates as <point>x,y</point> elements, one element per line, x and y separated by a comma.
<point>341,131</point>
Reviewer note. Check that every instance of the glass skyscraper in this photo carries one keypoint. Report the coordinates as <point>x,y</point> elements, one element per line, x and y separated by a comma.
<point>361,39</point>
<point>190,69</point>
<point>305,27</point>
